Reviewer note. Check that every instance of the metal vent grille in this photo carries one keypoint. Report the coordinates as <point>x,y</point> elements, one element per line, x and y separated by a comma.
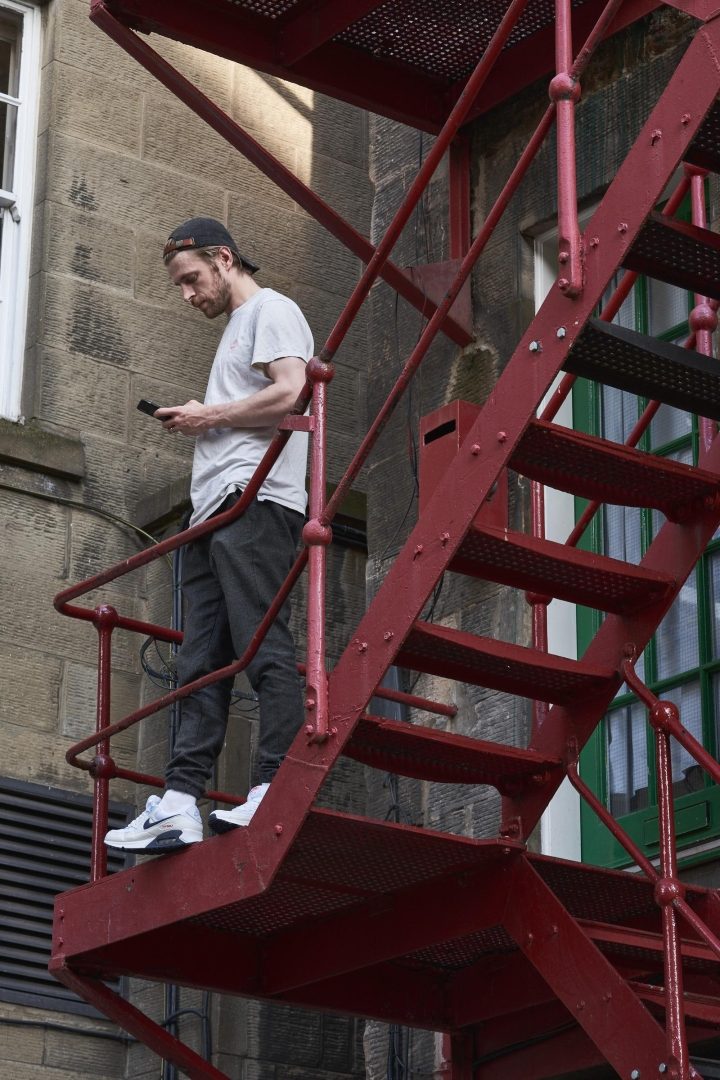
<point>44,849</point>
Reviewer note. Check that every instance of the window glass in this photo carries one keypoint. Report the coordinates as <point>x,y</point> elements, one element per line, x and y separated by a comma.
<point>10,28</point>
<point>20,27</point>
<point>667,307</point>
<point>676,639</point>
<point>627,764</point>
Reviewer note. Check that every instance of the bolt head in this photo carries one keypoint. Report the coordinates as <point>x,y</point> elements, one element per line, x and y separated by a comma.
<point>560,332</point>
<point>622,227</point>
<point>475,449</point>
<point>635,1074</point>
<point>278,830</point>
<point>534,346</point>
<point>662,1067</point>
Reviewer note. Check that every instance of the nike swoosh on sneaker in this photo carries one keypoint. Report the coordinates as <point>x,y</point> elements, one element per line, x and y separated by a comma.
<point>158,821</point>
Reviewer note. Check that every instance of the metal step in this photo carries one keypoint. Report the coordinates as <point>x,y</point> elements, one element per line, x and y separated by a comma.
<point>555,570</point>
<point>645,366</point>
<point>431,754</point>
<point>610,472</point>
<point>705,149</point>
<point>678,253</point>
<point>499,665</point>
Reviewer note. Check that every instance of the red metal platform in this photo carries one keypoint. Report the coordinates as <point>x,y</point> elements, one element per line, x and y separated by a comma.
<point>408,925</point>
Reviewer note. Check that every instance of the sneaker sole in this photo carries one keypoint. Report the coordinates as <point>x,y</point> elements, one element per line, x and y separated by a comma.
<point>222,825</point>
<point>172,840</point>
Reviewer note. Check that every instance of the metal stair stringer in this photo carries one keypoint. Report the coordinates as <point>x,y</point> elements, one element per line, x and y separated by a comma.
<point>511,406</point>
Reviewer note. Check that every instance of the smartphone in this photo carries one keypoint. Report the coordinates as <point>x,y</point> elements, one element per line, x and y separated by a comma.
<point>148,407</point>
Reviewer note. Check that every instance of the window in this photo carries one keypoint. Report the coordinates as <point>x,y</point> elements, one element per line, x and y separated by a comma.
<point>682,661</point>
<point>44,849</point>
<point>19,83</point>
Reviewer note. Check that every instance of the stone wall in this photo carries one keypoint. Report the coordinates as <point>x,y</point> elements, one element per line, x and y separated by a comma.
<point>120,163</point>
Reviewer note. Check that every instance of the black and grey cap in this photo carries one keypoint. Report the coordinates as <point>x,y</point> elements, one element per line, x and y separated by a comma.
<point>201,232</point>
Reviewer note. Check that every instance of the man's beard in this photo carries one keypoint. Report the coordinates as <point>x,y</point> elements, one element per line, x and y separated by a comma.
<point>217,302</point>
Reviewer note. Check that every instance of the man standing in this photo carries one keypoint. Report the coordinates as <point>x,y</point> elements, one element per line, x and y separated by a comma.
<point>231,576</point>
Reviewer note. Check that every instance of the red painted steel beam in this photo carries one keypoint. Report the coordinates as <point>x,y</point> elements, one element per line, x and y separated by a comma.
<point>581,977</point>
<point>409,94</point>
<point>267,163</point>
<point>304,33</point>
<point>556,1051</point>
<point>394,994</point>
<point>532,58</point>
<point>142,1027</point>
<point>210,959</point>
<point>389,927</point>
<point>206,876</point>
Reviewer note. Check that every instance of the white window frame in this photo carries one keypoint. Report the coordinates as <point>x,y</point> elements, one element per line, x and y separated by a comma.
<point>17,211</point>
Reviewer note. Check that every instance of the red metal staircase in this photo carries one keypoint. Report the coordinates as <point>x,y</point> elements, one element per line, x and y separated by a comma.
<point>478,938</point>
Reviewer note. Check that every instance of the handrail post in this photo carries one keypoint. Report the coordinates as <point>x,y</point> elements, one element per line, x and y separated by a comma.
<point>102,767</point>
<point>703,317</point>
<point>564,92</point>
<point>317,536</point>
<point>664,717</point>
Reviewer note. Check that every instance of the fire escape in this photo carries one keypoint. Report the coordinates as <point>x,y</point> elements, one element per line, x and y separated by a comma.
<point>480,939</point>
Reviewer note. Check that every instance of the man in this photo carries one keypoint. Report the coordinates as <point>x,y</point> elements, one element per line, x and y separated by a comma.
<point>231,576</point>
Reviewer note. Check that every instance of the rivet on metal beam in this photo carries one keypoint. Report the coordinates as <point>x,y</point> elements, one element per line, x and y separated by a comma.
<point>560,332</point>
<point>635,1074</point>
<point>535,346</point>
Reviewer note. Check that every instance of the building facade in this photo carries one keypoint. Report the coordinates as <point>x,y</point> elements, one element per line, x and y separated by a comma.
<point>100,163</point>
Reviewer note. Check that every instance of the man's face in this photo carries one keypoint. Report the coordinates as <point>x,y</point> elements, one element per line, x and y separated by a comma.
<point>204,283</point>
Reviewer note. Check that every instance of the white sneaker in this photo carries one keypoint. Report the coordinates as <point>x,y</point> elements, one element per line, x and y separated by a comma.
<point>147,833</point>
<point>225,820</point>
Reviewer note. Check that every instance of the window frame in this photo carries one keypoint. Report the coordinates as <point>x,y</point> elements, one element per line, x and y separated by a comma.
<point>15,237</point>
<point>697,813</point>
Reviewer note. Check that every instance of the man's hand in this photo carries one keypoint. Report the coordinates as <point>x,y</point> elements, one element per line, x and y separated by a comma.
<point>264,409</point>
<point>190,419</point>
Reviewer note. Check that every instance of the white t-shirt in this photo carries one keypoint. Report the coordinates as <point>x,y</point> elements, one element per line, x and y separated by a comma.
<point>266,327</point>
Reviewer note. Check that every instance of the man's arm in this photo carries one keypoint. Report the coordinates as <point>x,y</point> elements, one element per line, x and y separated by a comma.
<point>264,409</point>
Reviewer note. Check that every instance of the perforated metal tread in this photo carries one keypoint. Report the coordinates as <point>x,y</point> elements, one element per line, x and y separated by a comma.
<point>649,368</point>
<point>431,754</point>
<point>597,469</point>
<point>499,665</point>
<point>552,569</point>
<point>705,149</point>
<point>678,253</point>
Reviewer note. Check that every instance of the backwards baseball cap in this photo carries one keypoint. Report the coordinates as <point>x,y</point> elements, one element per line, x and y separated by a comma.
<point>201,232</point>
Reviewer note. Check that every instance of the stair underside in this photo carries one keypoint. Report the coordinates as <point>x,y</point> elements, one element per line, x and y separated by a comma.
<point>611,473</point>
<point>678,253</point>
<point>337,915</point>
<point>427,754</point>
<point>647,367</point>
<point>555,570</point>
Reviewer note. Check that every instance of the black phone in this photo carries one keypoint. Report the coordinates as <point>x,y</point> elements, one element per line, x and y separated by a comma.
<point>148,407</point>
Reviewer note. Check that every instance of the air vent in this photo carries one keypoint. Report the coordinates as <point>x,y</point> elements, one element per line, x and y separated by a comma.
<point>45,836</point>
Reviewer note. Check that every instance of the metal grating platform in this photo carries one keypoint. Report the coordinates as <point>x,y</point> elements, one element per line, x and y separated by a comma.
<point>654,369</point>
<point>705,150</point>
<point>514,669</point>
<point>678,253</point>
<point>427,754</point>
<point>596,469</point>
<point>524,562</point>
<point>407,59</point>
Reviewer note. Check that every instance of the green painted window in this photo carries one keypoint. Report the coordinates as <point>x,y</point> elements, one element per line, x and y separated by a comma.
<point>682,662</point>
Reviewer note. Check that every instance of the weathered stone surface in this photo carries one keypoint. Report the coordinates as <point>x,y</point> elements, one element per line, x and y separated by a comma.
<point>99,1056</point>
<point>31,687</point>
<point>89,106</point>
<point>79,392</point>
<point>37,448</point>
<point>120,187</point>
<point>89,247</point>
